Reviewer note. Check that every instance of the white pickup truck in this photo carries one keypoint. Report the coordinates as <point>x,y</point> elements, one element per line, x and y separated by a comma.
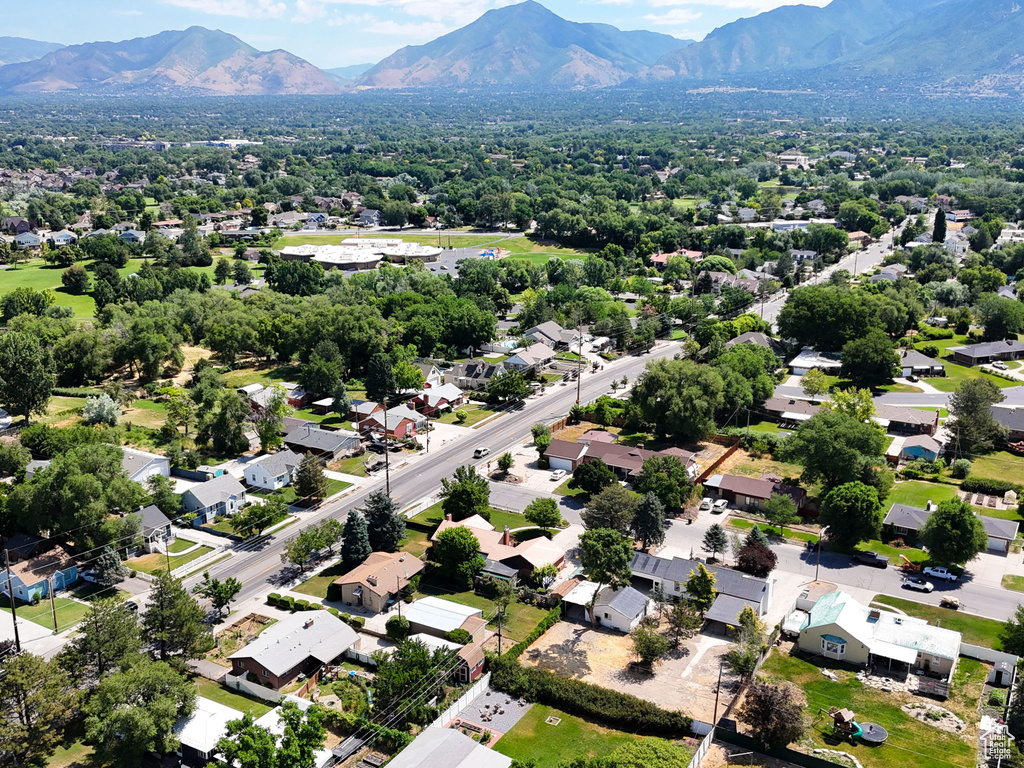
<point>940,573</point>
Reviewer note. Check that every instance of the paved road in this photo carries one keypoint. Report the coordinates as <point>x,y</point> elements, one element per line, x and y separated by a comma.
<point>262,569</point>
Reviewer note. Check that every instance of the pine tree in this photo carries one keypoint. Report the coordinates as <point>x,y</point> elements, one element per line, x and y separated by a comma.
<point>385,524</point>
<point>756,534</point>
<point>939,232</point>
<point>110,570</point>
<point>310,480</point>
<point>715,540</point>
<point>173,621</point>
<point>355,545</point>
<point>649,521</point>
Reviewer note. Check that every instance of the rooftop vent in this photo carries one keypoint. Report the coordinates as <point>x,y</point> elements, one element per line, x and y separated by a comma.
<point>308,624</point>
<point>874,615</point>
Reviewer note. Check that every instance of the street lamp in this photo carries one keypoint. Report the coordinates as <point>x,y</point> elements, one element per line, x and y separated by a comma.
<point>817,565</point>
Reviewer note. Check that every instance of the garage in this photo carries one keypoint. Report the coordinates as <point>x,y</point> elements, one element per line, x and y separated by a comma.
<point>561,454</point>
<point>1000,533</point>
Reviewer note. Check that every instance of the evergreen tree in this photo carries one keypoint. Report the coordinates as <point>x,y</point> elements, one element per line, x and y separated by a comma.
<point>106,640</point>
<point>384,522</point>
<point>37,701</point>
<point>380,379</point>
<point>310,480</point>
<point>700,588</point>
<point>109,568</point>
<point>715,540</point>
<point>173,621</point>
<point>939,232</point>
<point>757,535</point>
<point>355,545</point>
<point>342,403</point>
<point>649,521</point>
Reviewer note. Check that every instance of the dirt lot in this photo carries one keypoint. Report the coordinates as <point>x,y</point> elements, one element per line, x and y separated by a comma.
<point>684,680</point>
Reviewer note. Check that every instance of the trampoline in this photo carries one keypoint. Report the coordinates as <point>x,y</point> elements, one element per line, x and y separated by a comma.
<point>873,734</point>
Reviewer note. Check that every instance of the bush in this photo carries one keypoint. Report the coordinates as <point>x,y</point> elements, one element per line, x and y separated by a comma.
<point>357,621</point>
<point>996,698</point>
<point>930,333</point>
<point>397,627</point>
<point>554,615</point>
<point>988,485</point>
<point>930,350</point>
<point>960,468</point>
<point>763,442</point>
<point>273,598</point>
<point>132,573</point>
<point>610,708</point>
<point>302,605</point>
<point>460,636</point>
<point>461,416</point>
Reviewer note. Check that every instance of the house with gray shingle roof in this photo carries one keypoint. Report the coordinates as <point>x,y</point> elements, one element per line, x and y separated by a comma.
<point>327,444</point>
<point>223,495</point>
<point>273,471</point>
<point>906,521</point>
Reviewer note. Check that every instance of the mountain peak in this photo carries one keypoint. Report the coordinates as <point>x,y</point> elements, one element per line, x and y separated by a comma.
<point>522,45</point>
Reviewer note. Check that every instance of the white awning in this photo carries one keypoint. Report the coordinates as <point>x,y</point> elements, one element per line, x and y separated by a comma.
<point>790,416</point>
<point>893,651</point>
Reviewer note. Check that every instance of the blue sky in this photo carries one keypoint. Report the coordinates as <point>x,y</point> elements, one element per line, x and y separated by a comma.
<point>332,33</point>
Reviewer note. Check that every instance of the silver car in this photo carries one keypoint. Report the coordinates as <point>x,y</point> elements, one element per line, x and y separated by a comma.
<point>705,504</point>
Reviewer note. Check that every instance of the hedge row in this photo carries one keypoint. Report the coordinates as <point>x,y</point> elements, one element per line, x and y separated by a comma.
<point>554,615</point>
<point>610,708</point>
<point>386,739</point>
<point>975,484</point>
<point>74,392</point>
<point>289,603</point>
<point>353,621</point>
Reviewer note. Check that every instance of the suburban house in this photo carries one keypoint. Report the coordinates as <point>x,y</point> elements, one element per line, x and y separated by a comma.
<point>437,399</point>
<point>28,241</point>
<point>199,732</point>
<point>363,408</point>
<point>504,556</point>
<point>432,376</point>
<point>23,546</point>
<point>369,217</point>
<point>809,359</point>
<point>471,656</point>
<point>295,645</point>
<point>31,579</point>
<point>907,521</point>
<point>450,748</point>
<point>273,471</point>
<point>626,461</point>
<point>1011,417</point>
<point>789,411</point>
<point>474,374</point>
<point>734,590</point>
<point>323,406</point>
<point>141,465</point>
<point>553,335</point>
<point>896,418</point>
<point>979,354</point>
<point>62,238</point>
<point>752,492</point>
<point>329,445</point>
<point>378,581</point>
<point>156,529</point>
<point>437,617</point>
<point>904,449</point>
<point>757,338</point>
<point>133,236</point>
<point>398,422</point>
<point>15,225</point>
<point>528,360</point>
<point>914,363</point>
<point>223,495</point>
<point>840,628</point>
<point>620,609</point>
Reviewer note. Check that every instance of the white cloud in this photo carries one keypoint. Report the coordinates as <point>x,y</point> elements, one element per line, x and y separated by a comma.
<point>244,9</point>
<point>673,17</point>
<point>755,6</point>
<point>128,12</point>
<point>607,2</point>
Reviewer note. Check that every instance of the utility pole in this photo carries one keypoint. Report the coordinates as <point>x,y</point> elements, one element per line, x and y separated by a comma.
<point>718,688</point>
<point>579,369</point>
<point>53,605</point>
<point>398,595</point>
<point>10,593</point>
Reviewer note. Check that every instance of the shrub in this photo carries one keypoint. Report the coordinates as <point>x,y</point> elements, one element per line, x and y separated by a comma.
<point>611,708</point>
<point>132,574</point>
<point>357,621</point>
<point>302,605</point>
<point>996,698</point>
<point>960,468</point>
<point>930,350</point>
<point>988,485</point>
<point>460,636</point>
<point>397,627</point>
<point>273,598</point>
<point>461,416</point>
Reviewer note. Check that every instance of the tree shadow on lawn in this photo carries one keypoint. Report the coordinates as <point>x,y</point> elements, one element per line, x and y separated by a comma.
<point>566,658</point>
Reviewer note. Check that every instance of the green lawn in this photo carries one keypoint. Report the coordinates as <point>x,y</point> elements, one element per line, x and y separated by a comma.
<point>264,374</point>
<point>317,585</point>
<point>521,619</point>
<point>917,493</point>
<point>763,425</point>
<point>432,516</point>
<point>909,740</point>
<point>180,545</point>
<point>893,553</point>
<point>146,413</point>
<point>158,562</point>
<point>415,542</point>
<point>289,496</point>
<point>975,629</point>
<point>999,465</point>
<point>236,700</point>
<point>957,373</point>
<point>475,413</point>
<point>58,407</point>
<point>789,533</point>
<point>1016,583</point>
<point>324,419</point>
<point>39,276</point>
<point>565,490</point>
<point>353,465</point>
<point>532,739</point>
<point>69,612</point>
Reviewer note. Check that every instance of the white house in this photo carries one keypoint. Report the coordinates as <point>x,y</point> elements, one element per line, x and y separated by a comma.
<point>620,609</point>
<point>530,359</point>
<point>141,465</point>
<point>273,471</point>
<point>223,495</point>
<point>199,733</point>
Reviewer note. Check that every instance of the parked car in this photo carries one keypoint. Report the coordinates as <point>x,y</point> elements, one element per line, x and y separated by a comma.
<point>1000,365</point>
<point>940,573</point>
<point>913,378</point>
<point>558,474</point>
<point>93,577</point>
<point>871,558</point>
<point>719,507</point>
<point>479,453</point>
<point>919,583</point>
<point>705,504</point>
<point>131,607</point>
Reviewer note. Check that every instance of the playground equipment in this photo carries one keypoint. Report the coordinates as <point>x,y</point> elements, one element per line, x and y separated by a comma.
<point>844,725</point>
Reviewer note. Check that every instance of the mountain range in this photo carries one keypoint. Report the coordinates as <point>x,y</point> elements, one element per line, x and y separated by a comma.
<point>196,60</point>
<point>917,42</point>
<point>523,45</point>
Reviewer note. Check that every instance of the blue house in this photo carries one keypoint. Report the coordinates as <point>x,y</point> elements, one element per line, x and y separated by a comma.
<point>31,579</point>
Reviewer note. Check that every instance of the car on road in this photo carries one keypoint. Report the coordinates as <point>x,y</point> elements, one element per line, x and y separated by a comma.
<point>479,453</point>
<point>919,583</point>
<point>131,607</point>
<point>940,573</point>
<point>913,379</point>
<point>719,507</point>
<point>871,558</point>
<point>705,504</point>
<point>558,474</point>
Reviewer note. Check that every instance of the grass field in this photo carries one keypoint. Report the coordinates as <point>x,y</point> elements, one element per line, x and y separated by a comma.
<point>38,275</point>
<point>415,542</point>
<point>1016,583</point>
<point>353,465</point>
<point>158,562</point>
<point>1000,465</point>
<point>146,413</point>
<point>957,373</point>
<point>263,374</point>
<point>289,496</point>
<point>432,516</point>
<point>57,408</point>
<point>916,493</point>
<point>788,533</point>
<point>475,413</point>
<point>975,629</point>
<point>223,695</point>
<point>69,612</point>
<point>547,746</point>
<point>520,621</point>
<point>910,741</point>
<point>324,419</point>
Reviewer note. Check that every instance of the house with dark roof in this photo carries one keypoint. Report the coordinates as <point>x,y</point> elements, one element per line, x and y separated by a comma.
<point>1011,418</point>
<point>914,363</point>
<point>474,374</point>
<point>626,461</point>
<point>378,581</point>
<point>23,546</point>
<point>789,411</point>
<point>369,217</point>
<point>398,422</point>
<point>15,225</point>
<point>752,492</point>
<point>906,522</point>
<point>295,645</point>
<point>980,354</point>
<point>896,418</point>
<point>757,338</point>
<point>435,400</point>
<point>223,495</point>
<point>156,529</point>
<point>329,445</point>
<point>553,335</point>
<point>734,590</point>
<point>273,471</point>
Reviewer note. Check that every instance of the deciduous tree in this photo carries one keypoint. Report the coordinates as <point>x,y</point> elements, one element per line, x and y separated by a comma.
<point>814,383</point>
<point>543,512</point>
<point>605,555</point>
<point>26,378</point>
<point>756,559</point>
<point>666,478</point>
<point>780,510</point>
<point>970,416</point>
<point>614,508</point>
<point>679,398</point>
<point>592,476</point>
<point>774,713</point>
<point>834,447</point>
<point>953,534</point>
<point>648,644</point>
<point>852,513</point>
<point>219,593</point>
<point>457,553</point>
<point>465,494</point>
